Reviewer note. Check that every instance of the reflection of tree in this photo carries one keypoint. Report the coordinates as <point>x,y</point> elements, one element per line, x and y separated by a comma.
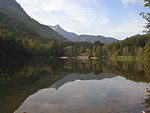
<point>9,65</point>
<point>147,69</point>
<point>135,71</point>
<point>147,74</point>
<point>26,79</point>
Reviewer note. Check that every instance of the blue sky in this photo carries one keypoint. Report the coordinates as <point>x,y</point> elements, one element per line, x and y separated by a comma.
<point>114,18</point>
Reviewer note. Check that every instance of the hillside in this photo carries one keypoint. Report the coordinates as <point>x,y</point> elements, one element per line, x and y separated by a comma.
<point>16,27</point>
<point>91,38</point>
<point>77,38</point>
<point>133,46</point>
<point>12,8</point>
<point>68,35</point>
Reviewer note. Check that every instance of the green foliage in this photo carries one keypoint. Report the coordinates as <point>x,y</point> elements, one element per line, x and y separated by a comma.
<point>16,27</point>
<point>98,52</point>
<point>9,46</point>
<point>70,50</point>
<point>147,15</point>
<point>133,46</point>
<point>147,50</point>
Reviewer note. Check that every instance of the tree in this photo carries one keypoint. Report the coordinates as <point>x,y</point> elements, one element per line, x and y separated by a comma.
<point>147,50</point>
<point>70,50</point>
<point>147,15</point>
<point>98,52</point>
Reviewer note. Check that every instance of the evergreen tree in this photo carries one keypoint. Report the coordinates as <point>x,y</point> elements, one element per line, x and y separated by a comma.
<point>147,15</point>
<point>147,50</point>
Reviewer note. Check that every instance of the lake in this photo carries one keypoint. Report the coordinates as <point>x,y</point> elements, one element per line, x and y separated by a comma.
<point>42,85</point>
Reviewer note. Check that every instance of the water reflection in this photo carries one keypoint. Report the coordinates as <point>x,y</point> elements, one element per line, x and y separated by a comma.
<point>92,83</point>
<point>90,96</point>
<point>73,77</point>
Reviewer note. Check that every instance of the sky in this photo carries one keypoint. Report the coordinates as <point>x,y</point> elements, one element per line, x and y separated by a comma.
<point>112,18</point>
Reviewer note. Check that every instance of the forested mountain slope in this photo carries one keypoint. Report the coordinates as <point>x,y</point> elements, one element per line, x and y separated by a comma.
<point>133,46</point>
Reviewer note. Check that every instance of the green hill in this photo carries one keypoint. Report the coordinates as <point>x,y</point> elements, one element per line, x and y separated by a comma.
<point>133,46</point>
<point>16,28</point>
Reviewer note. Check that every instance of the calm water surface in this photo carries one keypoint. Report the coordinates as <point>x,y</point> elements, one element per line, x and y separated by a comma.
<point>73,86</point>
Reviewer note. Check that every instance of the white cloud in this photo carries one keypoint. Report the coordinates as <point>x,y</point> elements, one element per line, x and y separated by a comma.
<point>72,10</point>
<point>130,26</point>
<point>127,2</point>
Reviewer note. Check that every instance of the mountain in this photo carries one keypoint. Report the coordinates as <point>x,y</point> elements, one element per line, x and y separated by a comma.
<point>68,35</point>
<point>17,28</point>
<point>12,8</point>
<point>89,38</point>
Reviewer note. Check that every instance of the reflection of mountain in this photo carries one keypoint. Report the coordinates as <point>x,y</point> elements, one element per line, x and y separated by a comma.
<point>12,96</point>
<point>74,77</point>
<point>114,95</point>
